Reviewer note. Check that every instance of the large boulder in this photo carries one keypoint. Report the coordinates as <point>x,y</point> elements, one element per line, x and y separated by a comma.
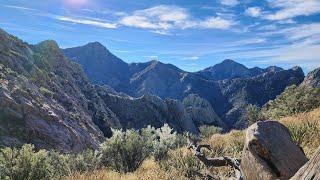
<point>270,153</point>
<point>310,170</point>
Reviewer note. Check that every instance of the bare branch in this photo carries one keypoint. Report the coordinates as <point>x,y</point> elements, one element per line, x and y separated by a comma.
<point>215,162</point>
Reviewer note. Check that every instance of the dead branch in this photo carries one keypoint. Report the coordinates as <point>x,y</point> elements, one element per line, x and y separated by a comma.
<point>215,162</point>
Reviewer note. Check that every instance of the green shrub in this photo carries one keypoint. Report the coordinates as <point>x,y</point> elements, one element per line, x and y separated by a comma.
<point>167,140</point>
<point>25,164</point>
<point>124,151</point>
<point>88,160</point>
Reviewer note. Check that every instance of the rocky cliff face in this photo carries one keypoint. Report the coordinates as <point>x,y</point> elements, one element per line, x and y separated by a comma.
<point>47,100</point>
<point>312,80</point>
<point>44,98</point>
<point>257,90</point>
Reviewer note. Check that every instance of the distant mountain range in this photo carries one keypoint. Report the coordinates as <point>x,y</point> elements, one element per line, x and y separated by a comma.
<point>228,86</point>
<point>70,99</point>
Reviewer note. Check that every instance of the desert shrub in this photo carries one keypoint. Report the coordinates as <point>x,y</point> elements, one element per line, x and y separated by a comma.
<point>25,164</point>
<point>124,151</point>
<point>162,140</point>
<point>61,164</point>
<point>88,160</point>
<point>208,131</point>
<point>166,139</point>
<point>292,101</point>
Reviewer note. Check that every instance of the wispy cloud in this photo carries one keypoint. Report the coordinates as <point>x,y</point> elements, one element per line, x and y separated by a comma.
<point>297,32</point>
<point>20,7</point>
<point>293,8</point>
<point>247,42</point>
<point>87,22</point>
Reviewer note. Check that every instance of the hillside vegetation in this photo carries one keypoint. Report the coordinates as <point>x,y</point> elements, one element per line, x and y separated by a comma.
<point>156,153</point>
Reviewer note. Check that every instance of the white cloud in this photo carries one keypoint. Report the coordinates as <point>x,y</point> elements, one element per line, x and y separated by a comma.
<point>253,11</point>
<point>216,23</point>
<point>87,22</point>
<point>191,58</point>
<point>229,2</point>
<point>160,19</point>
<point>293,8</point>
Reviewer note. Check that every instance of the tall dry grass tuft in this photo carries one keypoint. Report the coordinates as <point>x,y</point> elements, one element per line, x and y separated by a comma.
<point>305,130</point>
<point>149,170</point>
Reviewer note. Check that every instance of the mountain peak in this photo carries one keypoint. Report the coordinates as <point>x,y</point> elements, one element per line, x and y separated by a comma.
<point>229,61</point>
<point>95,44</point>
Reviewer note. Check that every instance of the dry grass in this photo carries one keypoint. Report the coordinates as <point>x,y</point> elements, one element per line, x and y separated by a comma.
<point>149,170</point>
<point>305,130</point>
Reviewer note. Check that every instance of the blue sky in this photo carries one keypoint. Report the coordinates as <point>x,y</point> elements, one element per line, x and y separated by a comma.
<point>189,34</point>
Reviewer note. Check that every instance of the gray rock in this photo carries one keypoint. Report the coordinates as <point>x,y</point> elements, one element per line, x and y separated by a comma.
<point>270,153</point>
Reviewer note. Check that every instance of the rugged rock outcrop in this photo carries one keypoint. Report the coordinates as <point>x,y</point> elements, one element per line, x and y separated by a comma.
<point>312,80</point>
<point>310,170</point>
<point>270,153</point>
<point>44,98</point>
